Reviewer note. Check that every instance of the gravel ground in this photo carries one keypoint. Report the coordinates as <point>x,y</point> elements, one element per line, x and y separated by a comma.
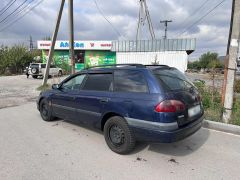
<point>17,90</point>
<point>207,78</point>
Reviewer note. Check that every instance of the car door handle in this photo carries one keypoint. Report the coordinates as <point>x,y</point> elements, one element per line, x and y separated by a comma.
<point>104,100</point>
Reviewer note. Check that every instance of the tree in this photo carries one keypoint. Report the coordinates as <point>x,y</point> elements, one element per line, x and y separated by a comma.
<point>14,58</point>
<point>194,65</point>
<point>206,60</point>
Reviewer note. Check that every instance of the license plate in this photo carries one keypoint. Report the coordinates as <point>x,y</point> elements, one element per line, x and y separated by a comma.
<point>194,111</point>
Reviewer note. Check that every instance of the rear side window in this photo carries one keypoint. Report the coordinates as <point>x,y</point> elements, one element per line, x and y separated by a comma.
<point>98,82</point>
<point>43,65</point>
<point>129,81</point>
<point>172,79</point>
<point>34,65</point>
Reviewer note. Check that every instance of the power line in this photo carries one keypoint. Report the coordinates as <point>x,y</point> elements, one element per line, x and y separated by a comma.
<point>8,7</point>
<point>200,19</point>
<point>19,12</point>
<point>100,11</point>
<point>194,12</point>
<point>14,11</point>
<point>16,20</point>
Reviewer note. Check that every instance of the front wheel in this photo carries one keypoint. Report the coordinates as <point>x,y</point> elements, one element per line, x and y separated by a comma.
<point>118,135</point>
<point>45,111</point>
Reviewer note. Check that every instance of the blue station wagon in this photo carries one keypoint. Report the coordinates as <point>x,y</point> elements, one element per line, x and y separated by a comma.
<point>129,103</point>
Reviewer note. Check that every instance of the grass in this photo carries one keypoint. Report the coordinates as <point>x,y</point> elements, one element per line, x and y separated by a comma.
<point>236,112</point>
<point>44,87</point>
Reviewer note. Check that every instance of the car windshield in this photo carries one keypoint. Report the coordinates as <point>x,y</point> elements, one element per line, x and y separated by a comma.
<point>172,79</point>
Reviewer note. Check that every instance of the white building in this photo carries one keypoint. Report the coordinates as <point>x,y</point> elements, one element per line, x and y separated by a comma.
<point>171,52</point>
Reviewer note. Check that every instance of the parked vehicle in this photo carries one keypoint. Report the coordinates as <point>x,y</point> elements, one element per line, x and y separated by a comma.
<point>128,103</point>
<point>38,69</point>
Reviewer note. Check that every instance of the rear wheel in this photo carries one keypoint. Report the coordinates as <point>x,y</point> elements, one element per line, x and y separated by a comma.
<point>45,111</point>
<point>118,135</point>
<point>34,76</point>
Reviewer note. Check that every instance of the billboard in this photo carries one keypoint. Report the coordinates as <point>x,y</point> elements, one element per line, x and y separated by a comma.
<point>82,58</point>
<point>96,58</point>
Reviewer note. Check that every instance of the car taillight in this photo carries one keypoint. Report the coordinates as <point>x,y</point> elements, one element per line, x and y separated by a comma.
<point>170,106</point>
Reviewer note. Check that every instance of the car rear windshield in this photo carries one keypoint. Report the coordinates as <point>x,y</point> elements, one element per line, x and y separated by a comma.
<point>172,79</point>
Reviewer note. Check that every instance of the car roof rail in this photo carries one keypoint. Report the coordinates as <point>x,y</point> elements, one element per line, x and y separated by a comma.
<point>115,65</point>
<point>156,65</point>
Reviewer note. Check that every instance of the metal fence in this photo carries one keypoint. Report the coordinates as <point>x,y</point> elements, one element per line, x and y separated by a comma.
<point>154,45</point>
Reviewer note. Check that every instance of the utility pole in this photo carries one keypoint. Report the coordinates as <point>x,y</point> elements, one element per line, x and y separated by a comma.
<point>71,35</point>
<point>166,27</point>
<point>54,37</point>
<point>143,15</point>
<point>30,43</point>
<point>232,54</point>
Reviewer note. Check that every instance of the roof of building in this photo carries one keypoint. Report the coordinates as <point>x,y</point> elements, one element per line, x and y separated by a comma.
<point>188,45</point>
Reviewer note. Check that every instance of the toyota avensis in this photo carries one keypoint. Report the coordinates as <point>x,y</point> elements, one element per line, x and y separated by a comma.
<point>129,103</point>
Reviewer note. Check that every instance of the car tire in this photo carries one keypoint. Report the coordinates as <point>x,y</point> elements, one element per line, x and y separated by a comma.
<point>118,135</point>
<point>60,73</point>
<point>45,110</point>
<point>34,76</point>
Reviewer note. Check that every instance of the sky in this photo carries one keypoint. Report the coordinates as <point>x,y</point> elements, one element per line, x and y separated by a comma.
<point>211,33</point>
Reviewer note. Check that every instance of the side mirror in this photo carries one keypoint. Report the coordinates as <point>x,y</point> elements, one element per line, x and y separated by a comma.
<point>55,86</point>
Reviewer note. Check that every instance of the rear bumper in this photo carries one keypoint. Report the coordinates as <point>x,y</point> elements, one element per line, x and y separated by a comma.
<point>150,135</point>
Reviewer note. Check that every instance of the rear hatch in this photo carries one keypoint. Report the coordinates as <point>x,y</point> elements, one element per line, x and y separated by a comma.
<point>178,88</point>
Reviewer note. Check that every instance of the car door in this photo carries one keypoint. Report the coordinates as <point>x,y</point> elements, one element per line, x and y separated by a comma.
<point>64,100</point>
<point>131,97</point>
<point>95,94</point>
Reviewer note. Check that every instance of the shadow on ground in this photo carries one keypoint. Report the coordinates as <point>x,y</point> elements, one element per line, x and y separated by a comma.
<point>184,147</point>
<point>180,148</point>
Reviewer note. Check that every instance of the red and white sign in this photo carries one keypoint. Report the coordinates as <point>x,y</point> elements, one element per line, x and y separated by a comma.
<point>78,45</point>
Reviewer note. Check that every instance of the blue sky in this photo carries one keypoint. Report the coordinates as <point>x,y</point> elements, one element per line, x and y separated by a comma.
<point>211,33</point>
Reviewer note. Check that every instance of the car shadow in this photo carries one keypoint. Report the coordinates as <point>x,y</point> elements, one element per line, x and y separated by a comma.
<point>85,126</point>
<point>184,147</point>
<point>180,148</point>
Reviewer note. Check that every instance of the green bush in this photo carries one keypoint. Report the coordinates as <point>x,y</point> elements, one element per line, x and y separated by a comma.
<point>211,100</point>
<point>65,67</point>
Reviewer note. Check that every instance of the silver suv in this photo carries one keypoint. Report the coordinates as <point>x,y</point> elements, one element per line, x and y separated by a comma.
<point>38,69</point>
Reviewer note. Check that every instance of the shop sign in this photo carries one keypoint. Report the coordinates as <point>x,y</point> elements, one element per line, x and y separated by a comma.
<point>78,45</point>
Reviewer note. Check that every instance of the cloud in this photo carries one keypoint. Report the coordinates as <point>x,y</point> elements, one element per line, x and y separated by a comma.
<point>211,33</point>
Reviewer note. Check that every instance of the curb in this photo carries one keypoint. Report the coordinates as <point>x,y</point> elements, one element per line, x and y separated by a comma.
<point>228,128</point>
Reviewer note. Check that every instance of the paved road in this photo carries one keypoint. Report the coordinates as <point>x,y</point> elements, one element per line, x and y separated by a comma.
<point>33,149</point>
